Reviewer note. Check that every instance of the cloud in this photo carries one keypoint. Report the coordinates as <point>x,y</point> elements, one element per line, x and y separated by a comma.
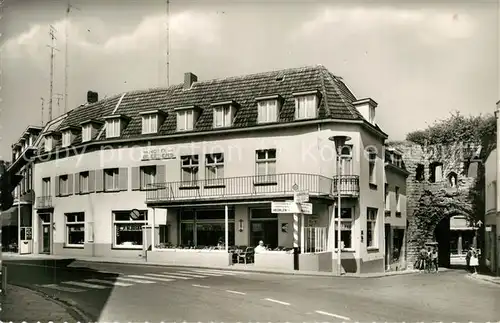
<point>429,24</point>
<point>185,28</point>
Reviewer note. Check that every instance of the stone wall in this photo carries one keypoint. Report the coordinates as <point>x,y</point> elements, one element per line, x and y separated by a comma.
<point>452,161</point>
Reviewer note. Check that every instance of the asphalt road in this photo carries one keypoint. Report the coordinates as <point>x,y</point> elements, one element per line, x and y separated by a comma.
<point>138,293</point>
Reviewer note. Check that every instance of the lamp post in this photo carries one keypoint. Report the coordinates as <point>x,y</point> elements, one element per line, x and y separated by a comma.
<point>339,143</point>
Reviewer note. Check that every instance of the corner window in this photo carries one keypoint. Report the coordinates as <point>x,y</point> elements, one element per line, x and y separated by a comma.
<point>86,132</point>
<point>267,111</point>
<point>265,166</point>
<point>111,179</point>
<point>189,170</point>
<point>128,229</point>
<point>75,229</point>
<point>214,169</point>
<point>112,128</point>
<point>371,227</point>
<point>305,107</point>
<point>346,219</point>
<point>149,124</point>
<point>148,176</point>
<point>185,120</point>
<point>223,116</point>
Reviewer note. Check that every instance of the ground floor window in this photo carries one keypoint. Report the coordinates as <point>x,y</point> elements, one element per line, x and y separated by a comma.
<point>75,229</point>
<point>371,227</point>
<point>205,228</point>
<point>128,229</point>
<point>346,219</point>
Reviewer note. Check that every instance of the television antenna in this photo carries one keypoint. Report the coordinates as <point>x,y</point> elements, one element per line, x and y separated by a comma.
<point>66,55</point>
<point>53,49</point>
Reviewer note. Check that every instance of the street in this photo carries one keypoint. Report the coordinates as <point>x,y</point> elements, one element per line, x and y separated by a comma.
<point>125,293</point>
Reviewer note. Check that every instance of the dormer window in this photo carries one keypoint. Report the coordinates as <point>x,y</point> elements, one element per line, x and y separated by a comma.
<point>86,132</point>
<point>90,128</point>
<point>49,143</point>
<point>306,105</point>
<point>114,125</point>
<point>151,121</point>
<point>224,114</point>
<point>66,138</point>
<point>186,117</point>
<point>268,109</point>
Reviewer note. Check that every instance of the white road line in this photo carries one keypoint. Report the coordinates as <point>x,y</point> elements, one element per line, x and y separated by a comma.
<point>82,284</point>
<point>186,273</point>
<point>168,276</point>
<point>334,315</point>
<point>276,301</point>
<point>62,288</point>
<point>201,286</point>
<point>225,272</point>
<point>108,282</point>
<point>235,292</point>
<point>140,281</point>
<point>204,273</point>
<point>152,278</point>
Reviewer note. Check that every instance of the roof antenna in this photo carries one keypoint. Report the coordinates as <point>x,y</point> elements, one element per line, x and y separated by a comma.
<point>168,43</point>
<point>66,55</point>
<point>53,48</point>
<point>43,102</point>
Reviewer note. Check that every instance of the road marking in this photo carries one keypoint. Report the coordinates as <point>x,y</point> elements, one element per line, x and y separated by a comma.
<point>186,273</point>
<point>168,276</point>
<point>108,282</point>
<point>334,315</point>
<point>140,281</point>
<point>82,284</point>
<point>62,288</point>
<point>276,301</point>
<point>204,273</point>
<point>153,278</point>
<point>226,272</point>
<point>201,286</point>
<point>235,292</point>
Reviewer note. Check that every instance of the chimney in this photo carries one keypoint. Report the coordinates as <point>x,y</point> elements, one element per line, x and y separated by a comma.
<point>92,97</point>
<point>367,109</point>
<point>189,79</point>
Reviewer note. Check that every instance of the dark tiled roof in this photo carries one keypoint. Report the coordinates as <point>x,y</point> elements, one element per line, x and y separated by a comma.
<point>335,100</point>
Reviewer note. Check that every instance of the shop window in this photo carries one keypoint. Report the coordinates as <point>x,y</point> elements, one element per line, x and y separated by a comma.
<point>371,227</point>
<point>128,229</point>
<point>205,227</point>
<point>346,220</point>
<point>75,229</point>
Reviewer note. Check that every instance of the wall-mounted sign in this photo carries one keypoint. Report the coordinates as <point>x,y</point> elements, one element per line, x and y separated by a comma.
<point>284,227</point>
<point>152,153</point>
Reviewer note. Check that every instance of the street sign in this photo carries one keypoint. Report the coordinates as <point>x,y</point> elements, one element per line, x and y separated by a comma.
<point>306,208</point>
<point>301,197</point>
<point>284,207</point>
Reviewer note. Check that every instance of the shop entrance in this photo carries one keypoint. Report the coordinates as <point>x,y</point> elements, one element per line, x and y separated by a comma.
<point>46,230</point>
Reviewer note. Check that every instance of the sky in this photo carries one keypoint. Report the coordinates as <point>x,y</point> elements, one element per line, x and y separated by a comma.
<point>418,61</point>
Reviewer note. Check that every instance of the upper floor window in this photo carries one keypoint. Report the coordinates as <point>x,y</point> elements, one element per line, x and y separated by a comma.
<point>148,176</point>
<point>48,144</point>
<point>372,159</point>
<point>346,160</point>
<point>46,190</point>
<point>86,132</point>
<point>371,227</point>
<point>223,115</point>
<point>83,182</point>
<point>66,139</point>
<point>185,120</point>
<point>189,169</point>
<point>149,123</point>
<point>346,219</point>
<point>396,193</point>
<point>113,128</point>
<point>386,197</point>
<point>111,179</point>
<point>267,111</point>
<point>63,185</point>
<point>305,107</point>
<point>266,165</point>
<point>214,169</point>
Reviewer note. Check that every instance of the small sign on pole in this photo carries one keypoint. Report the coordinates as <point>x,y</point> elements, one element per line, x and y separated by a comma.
<point>301,197</point>
<point>306,208</point>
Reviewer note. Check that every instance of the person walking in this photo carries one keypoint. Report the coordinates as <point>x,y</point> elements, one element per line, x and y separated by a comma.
<point>434,259</point>
<point>474,260</point>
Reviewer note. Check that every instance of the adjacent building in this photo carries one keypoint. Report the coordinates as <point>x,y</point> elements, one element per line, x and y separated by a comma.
<point>166,174</point>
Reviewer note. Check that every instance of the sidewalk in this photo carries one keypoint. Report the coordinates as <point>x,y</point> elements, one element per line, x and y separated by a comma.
<point>236,267</point>
<point>491,279</point>
<point>22,304</point>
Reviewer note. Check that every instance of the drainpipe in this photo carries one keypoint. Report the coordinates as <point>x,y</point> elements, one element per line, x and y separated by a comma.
<point>497,168</point>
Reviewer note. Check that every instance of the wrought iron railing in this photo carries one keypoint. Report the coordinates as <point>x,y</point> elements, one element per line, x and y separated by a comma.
<point>247,186</point>
<point>349,185</point>
<point>44,202</point>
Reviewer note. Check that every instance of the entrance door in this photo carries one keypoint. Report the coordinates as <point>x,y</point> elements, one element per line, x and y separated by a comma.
<point>45,245</point>
<point>387,229</point>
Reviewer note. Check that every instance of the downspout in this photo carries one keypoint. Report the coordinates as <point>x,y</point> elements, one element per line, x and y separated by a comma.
<point>497,169</point>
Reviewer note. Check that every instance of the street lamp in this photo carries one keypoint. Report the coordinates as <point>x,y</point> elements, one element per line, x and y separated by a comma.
<point>339,143</point>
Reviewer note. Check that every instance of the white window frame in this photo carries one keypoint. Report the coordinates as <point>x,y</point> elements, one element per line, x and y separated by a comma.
<point>269,175</point>
<point>115,174</point>
<point>223,116</point>
<point>192,166</point>
<point>66,138</point>
<point>346,224</point>
<point>185,120</point>
<point>46,187</point>
<point>71,221</point>
<point>149,123</point>
<point>214,169</point>
<point>63,183</point>
<point>83,182</point>
<point>372,168</point>
<point>48,143</point>
<point>117,223</point>
<point>147,176</point>
<point>306,107</point>
<point>346,160</point>
<point>113,128</point>
<point>267,111</point>
<point>86,132</point>
<point>372,218</point>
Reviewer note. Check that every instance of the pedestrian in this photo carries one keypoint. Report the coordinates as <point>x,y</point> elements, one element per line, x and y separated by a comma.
<point>422,257</point>
<point>434,257</point>
<point>467,258</point>
<point>428,260</point>
<point>474,260</point>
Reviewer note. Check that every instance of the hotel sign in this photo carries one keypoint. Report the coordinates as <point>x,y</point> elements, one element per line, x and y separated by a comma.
<point>150,153</point>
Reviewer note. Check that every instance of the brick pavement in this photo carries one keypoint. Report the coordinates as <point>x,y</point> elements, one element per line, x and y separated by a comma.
<point>22,304</point>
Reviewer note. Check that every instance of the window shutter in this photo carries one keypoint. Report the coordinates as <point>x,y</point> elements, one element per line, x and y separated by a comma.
<point>136,177</point>
<point>99,180</point>
<point>77,183</point>
<point>57,186</point>
<point>160,174</point>
<point>70,184</point>
<point>123,179</point>
<point>91,181</point>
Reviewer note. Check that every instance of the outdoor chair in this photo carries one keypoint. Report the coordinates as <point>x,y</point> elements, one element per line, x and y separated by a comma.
<point>246,256</point>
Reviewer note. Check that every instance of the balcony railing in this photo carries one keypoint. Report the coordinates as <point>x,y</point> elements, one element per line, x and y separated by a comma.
<point>44,202</point>
<point>349,185</point>
<point>243,187</point>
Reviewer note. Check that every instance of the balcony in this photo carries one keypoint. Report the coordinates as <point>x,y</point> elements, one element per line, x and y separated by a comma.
<point>243,188</point>
<point>349,185</point>
<point>44,202</point>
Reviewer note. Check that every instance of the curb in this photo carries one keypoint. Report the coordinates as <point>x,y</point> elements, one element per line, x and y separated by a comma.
<point>484,279</point>
<point>70,306</point>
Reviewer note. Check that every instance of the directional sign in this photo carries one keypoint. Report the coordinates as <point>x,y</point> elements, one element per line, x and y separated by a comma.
<point>284,207</point>
<point>301,197</point>
<point>306,208</point>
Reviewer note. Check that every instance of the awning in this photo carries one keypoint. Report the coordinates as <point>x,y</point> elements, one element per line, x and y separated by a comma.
<point>9,217</point>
